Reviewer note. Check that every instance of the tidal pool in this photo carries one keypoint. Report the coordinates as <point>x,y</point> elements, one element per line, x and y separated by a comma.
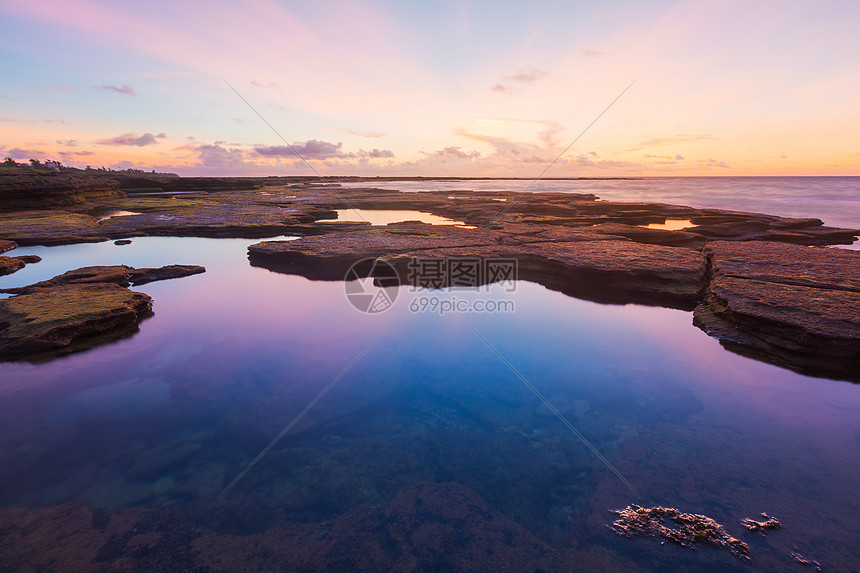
<point>671,225</point>
<point>172,415</point>
<point>386,216</point>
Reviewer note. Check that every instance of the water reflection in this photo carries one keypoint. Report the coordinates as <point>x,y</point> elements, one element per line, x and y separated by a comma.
<point>384,217</point>
<point>173,414</point>
<point>671,225</point>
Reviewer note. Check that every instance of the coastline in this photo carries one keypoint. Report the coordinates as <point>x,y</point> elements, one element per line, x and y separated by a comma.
<point>574,243</point>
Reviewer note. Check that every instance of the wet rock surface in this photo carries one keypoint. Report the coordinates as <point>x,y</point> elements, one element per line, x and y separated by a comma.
<point>691,529</point>
<point>121,275</point>
<point>768,523</point>
<point>56,320</point>
<point>794,306</point>
<point>77,310</point>
<point>570,242</point>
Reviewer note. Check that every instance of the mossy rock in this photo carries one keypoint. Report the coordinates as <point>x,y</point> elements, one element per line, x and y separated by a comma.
<point>69,317</point>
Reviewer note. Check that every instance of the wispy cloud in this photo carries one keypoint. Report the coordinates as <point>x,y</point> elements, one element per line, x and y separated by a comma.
<point>455,152</point>
<point>19,153</point>
<point>320,150</point>
<point>375,153</point>
<point>132,139</point>
<point>663,141</point>
<point>714,163</point>
<point>526,76</point>
<point>218,156</point>
<point>68,142</point>
<point>261,84</point>
<point>311,149</point>
<point>123,89</point>
<point>58,87</point>
<point>522,77</point>
<point>372,134</point>
<point>676,157</point>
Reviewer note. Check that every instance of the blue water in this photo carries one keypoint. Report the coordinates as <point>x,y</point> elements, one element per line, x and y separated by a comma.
<point>170,416</point>
<point>835,200</point>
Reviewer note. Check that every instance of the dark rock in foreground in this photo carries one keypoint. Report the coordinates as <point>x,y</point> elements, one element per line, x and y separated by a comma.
<point>794,306</point>
<point>9,265</point>
<point>693,529</point>
<point>67,318</point>
<point>77,310</point>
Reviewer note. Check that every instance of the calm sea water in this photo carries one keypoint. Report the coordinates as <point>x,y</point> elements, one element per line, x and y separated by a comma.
<point>834,200</point>
<point>171,415</point>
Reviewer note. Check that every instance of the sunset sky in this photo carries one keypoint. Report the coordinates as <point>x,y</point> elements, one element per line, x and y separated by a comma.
<point>434,88</point>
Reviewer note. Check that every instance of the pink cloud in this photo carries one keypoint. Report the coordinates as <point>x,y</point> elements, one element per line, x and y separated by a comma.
<point>124,89</point>
<point>131,139</point>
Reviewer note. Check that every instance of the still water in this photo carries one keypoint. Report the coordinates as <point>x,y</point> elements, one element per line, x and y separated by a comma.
<point>171,415</point>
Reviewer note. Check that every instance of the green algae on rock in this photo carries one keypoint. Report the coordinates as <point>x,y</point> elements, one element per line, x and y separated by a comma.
<point>77,310</point>
<point>68,317</point>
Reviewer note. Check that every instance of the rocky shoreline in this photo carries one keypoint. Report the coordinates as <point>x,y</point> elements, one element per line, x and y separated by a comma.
<point>77,310</point>
<point>764,285</point>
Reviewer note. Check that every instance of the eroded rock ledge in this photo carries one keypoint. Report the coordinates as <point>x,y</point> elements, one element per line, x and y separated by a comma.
<point>793,306</point>
<point>577,261</point>
<point>573,243</point>
<point>77,310</point>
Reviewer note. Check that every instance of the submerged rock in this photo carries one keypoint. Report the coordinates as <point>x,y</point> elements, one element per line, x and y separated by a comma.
<point>798,557</point>
<point>761,526</point>
<point>693,529</point>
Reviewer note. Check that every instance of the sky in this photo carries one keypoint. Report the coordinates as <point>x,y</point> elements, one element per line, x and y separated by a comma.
<point>468,88</point>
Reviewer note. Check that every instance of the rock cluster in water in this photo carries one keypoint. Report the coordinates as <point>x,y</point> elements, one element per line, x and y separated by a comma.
<point>692,529</point>
<point>77,310</point>
<point>761,526</point>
